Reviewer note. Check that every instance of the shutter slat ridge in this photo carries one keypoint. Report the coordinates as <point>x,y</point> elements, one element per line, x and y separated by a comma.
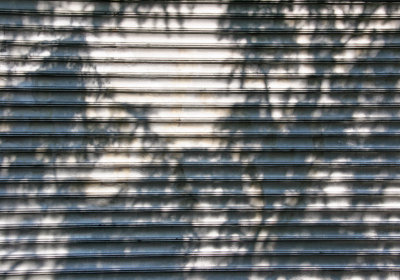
<point>199,139</point>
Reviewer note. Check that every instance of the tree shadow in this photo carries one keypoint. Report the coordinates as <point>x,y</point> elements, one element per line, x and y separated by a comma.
<point>181,140</point>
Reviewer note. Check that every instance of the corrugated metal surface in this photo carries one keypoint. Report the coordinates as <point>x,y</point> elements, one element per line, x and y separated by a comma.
<point>199,139</point>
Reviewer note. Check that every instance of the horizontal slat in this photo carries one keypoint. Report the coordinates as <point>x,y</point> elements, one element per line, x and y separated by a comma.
<point>197,75</point>
<point>210,142</point>
<point>253,45</point>
<point>105,158</point>
<point>193,127</point>
<point>348,178</point>
<point>84,59</point>
<point>211,15</point>
<point>197,164</point>
<point>242,223</point>
<point>178,239</point>
<point>245,217</point>
<point>200,269</point>
<point>169,173</point>
<point>31,210</point>
<point>260,30</point>
<point>247,120</point>
<point>193,20</point>
<point>360,134</point>
<point>216,149</point>
<point>184,70</point>
<point>300,104</point>
<point>100,194</point>
<point>252,1</point>
<point>64,89</point>
<point>201,254</point>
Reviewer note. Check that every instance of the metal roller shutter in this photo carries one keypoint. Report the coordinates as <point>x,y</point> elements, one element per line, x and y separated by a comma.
<point>199,139</point>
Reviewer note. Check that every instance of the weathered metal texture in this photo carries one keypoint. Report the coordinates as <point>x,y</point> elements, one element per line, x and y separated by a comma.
<point>200,139</point>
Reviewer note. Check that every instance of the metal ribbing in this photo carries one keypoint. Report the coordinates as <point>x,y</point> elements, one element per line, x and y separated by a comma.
<point>199,139</point>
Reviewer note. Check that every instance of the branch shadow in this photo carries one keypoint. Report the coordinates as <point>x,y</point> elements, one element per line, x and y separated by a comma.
<point>291,157</point>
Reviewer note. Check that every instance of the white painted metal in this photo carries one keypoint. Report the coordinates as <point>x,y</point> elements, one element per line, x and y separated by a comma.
<point>199,139</point>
